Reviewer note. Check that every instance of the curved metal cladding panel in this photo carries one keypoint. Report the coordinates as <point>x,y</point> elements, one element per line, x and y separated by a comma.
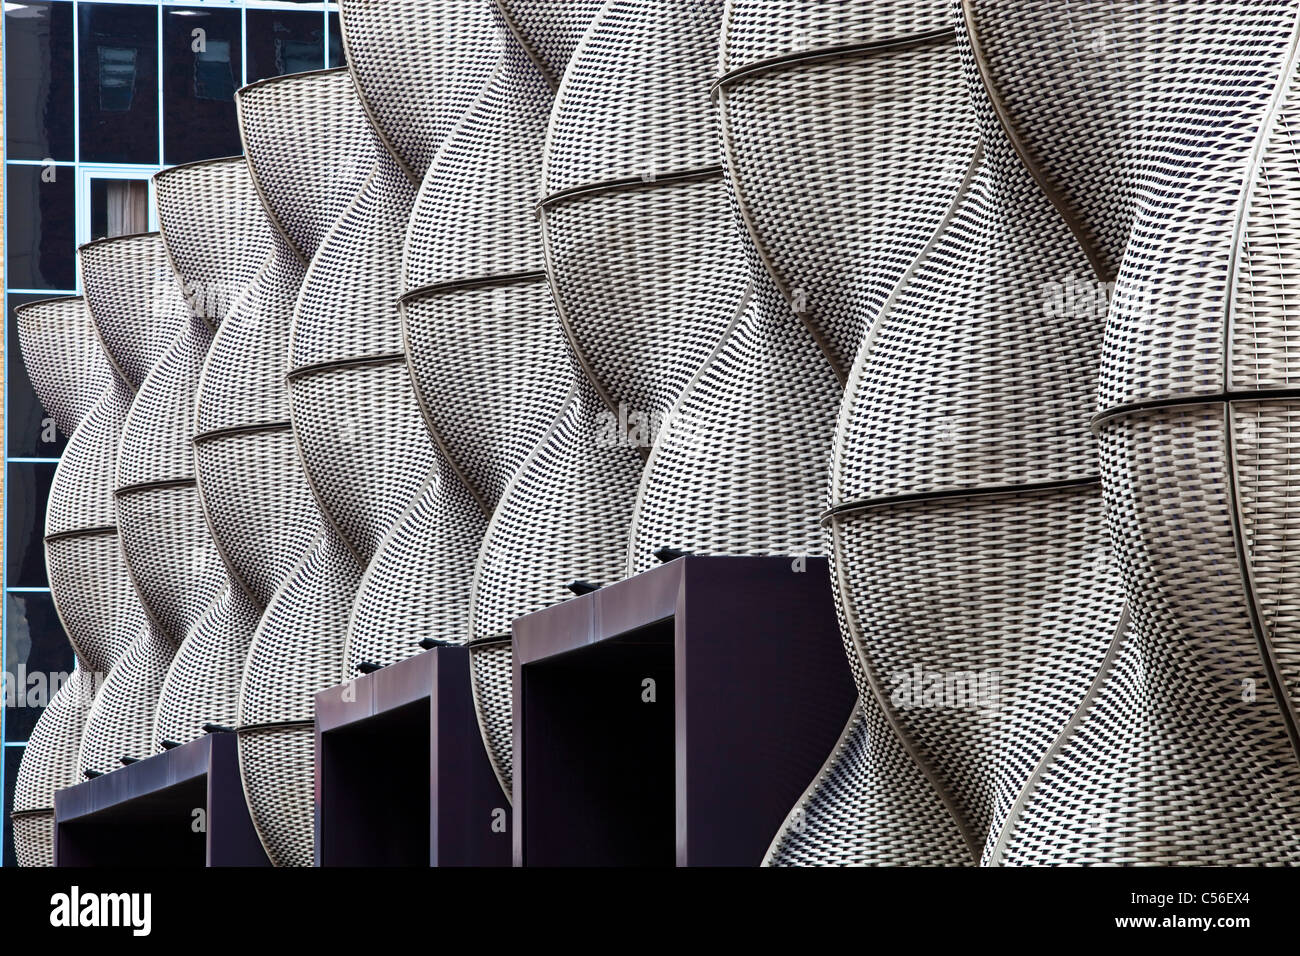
<point>834,152</point>
<point>549,30</point>
<point>477,315</point>
<point>738,465</point>
<point>71,374</point>
<point>305,139</point>
<point>967,539</point>
<point>490,368</point>
<point>646,273</point>
<point>563,516</point>
<point>646,268</point>
<point>418,66</point>
<point>133,301</point>
<point>64,360</point>
<point>217,237</point>
<point>373,466</point>
<point>137,310</point>
<point>1163,131</point>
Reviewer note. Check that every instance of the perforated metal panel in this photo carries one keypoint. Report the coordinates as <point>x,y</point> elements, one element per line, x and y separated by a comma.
<point>309,153</point>
<point>496,399</point>
<point>1179,182</point>
<point>137,309</point>
<point>921,271</point>
<point>71,375</point>
<point>217,237</point>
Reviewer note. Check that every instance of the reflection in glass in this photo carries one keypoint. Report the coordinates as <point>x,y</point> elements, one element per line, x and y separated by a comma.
<point>336,42</point>
<point>202,68</point>
<point>27,489</point>
<point>118,51</point>
<point>40,207</point>
<point>284,41</point>
<point>38,80</point>
<point>37,657</point>
<point>213,77</point>
<point>116,78</point>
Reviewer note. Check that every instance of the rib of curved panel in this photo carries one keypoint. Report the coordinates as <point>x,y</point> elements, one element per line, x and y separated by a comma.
<point>70,374</point>
<point>1180,181</point>
<point>549,30</point>
<point>217,237</point>
<point>305,141</point>
<point>137,310</point>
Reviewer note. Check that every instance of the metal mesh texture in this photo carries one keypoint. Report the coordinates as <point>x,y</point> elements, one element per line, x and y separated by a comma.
<point>138,311</point>
<point>489,312</point>
<point>49,763</point>
<point>419,533</point>
<point>549,30</point>
<point>736,465</point>
<point>293,559</point>
<point>563,513</point>
<point>840,208</point>
<point>492,397</point>
<point>176,570</point>
<point>667,331</point>
<point>926,258</point>
<point>418,66</point>
<point>64,360</point>
<point>642,259</point>
<point>1179,180</point>
<point>757,30</point>
<point>418,583</point>
<point>217,237</point>
<point>70,373</point>
<point>133,301</point>
<point>216,232</point>
<point>738,468</point>
<point>297,651</point>
<point>359,429</point>
<point>473,250</point>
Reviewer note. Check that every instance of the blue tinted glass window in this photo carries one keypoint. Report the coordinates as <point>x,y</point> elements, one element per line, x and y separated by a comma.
<point>27,489</point>
<point>203,64</point>
<point>118,50</point>
<point>336,42</point>
<point>31,433</point>
<point>11,759</point>
<point>38,658</point>
<point>40,242</point>
<point>284,41</point>
<point>38,81</point>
